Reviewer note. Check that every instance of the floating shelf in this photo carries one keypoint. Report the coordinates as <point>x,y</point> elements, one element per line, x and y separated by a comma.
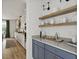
<point>60,24</point>
<point>60,12</point>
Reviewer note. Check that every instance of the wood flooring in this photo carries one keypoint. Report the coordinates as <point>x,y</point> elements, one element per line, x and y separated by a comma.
<point>17,52</point>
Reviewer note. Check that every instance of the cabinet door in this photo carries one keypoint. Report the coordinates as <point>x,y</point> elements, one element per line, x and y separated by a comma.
<point>35,51</point>
<point>59,52</point>
<point>65,55</point>
<point>41,53</point>
<point>49,55</point>
<point>32,49</point>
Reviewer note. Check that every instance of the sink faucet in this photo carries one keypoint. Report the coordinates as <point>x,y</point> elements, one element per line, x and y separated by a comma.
<point>56,35</point>
<point>57,38</point>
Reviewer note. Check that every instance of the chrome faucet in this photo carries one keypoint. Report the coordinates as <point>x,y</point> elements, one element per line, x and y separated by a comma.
<point>56,36</point>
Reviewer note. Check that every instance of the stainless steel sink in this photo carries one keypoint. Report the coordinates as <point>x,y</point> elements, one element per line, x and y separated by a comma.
<point>72,44</point>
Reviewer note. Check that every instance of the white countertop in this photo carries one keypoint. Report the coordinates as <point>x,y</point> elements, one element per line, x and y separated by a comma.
<point>61,45</point>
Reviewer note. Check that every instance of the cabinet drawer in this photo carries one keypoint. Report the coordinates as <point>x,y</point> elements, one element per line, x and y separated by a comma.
<point>50,48</point>
<point>65,54</point>
<point>59,52</point>
<point>49,55</point>
<point>38,43</point>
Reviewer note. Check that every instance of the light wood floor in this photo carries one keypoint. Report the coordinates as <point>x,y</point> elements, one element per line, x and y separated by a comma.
<point>17,52</point>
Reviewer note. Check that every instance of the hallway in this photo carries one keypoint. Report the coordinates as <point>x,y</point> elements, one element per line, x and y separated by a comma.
<point>14,52</point>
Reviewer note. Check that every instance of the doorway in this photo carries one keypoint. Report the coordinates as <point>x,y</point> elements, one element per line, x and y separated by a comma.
<point>3,29</point>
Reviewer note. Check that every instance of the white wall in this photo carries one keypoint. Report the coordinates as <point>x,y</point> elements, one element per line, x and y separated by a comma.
<point>12,27</point>
<point>56,5</point>
<point>33,12</point>
<point>63,31</point>
<point>11,9</point>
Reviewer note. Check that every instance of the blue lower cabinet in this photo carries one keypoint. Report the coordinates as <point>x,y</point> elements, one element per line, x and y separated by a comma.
<point>44,51</point>
<point>49,55</point>
<point>41,53</point>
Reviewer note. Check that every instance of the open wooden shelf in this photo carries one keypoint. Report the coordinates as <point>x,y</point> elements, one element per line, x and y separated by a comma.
<point>60,24</point>
<point>60,12</point>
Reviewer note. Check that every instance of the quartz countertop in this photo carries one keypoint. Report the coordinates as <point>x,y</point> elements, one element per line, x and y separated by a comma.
<point>61,45</point>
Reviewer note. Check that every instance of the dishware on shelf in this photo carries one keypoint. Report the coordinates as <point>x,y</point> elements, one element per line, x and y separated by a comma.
<point>65,19</point>
<point>51,22</point>
<point>42,23</point>
<point>48,22</point>
<point>45,22</point>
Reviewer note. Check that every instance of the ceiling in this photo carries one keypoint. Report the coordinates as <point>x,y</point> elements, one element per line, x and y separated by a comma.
<point>12,9</point>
